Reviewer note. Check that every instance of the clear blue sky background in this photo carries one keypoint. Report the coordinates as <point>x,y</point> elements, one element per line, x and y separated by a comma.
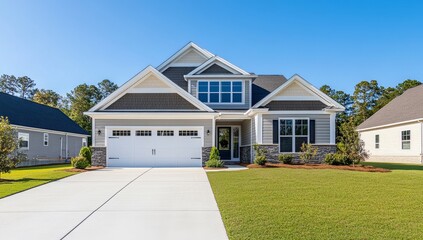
<point>60,44</point>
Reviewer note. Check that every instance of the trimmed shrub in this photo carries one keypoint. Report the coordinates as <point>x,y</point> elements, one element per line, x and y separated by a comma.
<point>86,153</point>
<point>260,160</point>
<point>214,159</point>
<point>285,158</point>
<point>80,162</point>
<point>337,159</point>
<point>308,152</point>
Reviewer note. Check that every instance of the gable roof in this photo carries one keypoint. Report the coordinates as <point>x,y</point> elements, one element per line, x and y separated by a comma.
<point>306,85</point>
<point>26,113</point>
<point>263,85</point>
<point>222,63</point>
<point>136,80</point>
<point>181,52</point>
<point>176,74</point>
<point>406,107</point>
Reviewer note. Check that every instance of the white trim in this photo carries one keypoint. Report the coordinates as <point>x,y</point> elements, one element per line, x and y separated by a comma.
<point>224,63</point>
<point>391,124</point>
<point>259,128</point>
<point>151,90</point>
<point>47,131</point>
<point>23,135</point>
<point>218,76</point>
<point>298,112</point>
<point>332,125</point>
<point>213,132</point>
<point>232,140</point>
<point>293,132</point>
<point>140,77</point>
<point>150,115</point>
<point>93,133</point>
<point>295,98</point>
<point>162,67</point>
<point>306,85</point>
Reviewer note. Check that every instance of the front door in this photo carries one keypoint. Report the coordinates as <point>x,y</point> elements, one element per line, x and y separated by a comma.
<point>224,142</point>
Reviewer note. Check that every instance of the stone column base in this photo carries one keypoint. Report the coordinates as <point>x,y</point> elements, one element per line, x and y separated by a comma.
<point>98,157</point>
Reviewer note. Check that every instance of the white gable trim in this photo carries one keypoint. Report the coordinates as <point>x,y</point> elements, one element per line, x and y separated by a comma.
<point>307,86</point>
<point>136,80</point>
<point>221,62</point>
<point>162,67</point>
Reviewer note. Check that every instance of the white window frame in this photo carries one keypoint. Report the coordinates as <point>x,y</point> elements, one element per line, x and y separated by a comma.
<point>377,141</point>
<point>404,141</point>
<point>25,137</point>
<point>220,91</point>
<point>45,139</point>
<point>293,136</point>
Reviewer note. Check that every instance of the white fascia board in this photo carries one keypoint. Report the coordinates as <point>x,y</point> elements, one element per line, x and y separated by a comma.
<point>150,115</point>
<point>216,59</point>
<point>309,112</point>
<point>219,76</point>
<point>390,125</point>
<point>306,86</point>
<point>149,70</point>
<point>253,111</point>
<point>181,51</point>
<point>19,127</point>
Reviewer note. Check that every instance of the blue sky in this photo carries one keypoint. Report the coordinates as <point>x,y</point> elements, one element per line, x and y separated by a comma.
<point>60,44</point>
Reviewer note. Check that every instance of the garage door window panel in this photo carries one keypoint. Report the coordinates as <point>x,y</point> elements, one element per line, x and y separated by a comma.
<point>164,133</point>
<point>188,133</point>
<point>119,133</point>
<point>143,133</point>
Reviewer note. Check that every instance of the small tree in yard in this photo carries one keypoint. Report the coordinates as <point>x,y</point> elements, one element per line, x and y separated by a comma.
<point>214,159</point>
<point>9,143</point>
<point>260,158</point>
<point>308,152</point>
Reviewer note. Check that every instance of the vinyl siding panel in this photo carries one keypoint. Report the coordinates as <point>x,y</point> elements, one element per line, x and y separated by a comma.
<point>253,132</point>
<point>100,124</point>
<point>37,150</point>
<point>295,105</point>
<point>246,132</point>
<point>247,97</point>
<point>322,126</point>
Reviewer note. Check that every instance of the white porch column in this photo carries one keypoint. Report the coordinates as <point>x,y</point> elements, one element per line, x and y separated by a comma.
<point>332,128</point>
<point>259,123</point>
<point>213,132</point>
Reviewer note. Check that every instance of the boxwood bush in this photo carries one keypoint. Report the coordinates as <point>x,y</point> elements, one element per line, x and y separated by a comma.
<point>285,158</point>
<point>337,159</point>
<point>86,153</point>
<point>214,159</point>
<point>80,162</point>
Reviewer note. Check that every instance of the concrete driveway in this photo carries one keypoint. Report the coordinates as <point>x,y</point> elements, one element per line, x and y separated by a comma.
<point>132,203</point>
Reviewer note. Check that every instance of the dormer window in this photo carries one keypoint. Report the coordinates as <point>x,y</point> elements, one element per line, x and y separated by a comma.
<point>220,91</point>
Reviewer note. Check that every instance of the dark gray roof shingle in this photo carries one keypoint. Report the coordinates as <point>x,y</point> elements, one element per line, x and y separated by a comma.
<point>408,106</point>
<point>152,101</point>
<point>176,74</point>
<point>265,84</point>
<point>26,113</point>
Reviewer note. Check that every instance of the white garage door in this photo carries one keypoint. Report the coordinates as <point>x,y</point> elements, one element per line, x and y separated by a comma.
<point>154,146</point>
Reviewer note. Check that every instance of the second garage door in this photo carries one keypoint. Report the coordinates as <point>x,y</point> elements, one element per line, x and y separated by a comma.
<point>154,146</point>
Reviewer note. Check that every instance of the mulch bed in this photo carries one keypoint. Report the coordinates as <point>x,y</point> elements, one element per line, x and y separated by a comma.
<point>92,168</point>
<point>361,168</point>
<point>214,168</point>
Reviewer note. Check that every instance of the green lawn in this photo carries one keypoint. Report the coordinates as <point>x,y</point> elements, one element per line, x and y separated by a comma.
<point>280,203</point>
<point>21,179</point>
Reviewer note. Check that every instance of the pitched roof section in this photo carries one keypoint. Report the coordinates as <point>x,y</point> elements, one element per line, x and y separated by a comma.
<point>152,101</point>
<point>406,107</point>
<point>216,69</point>
<point>145,74</point>
<point>297,79</point>
<point>191,54</point>
<point>26,113</point>
<point>263,85</point>
<point>220,62</point>
<point>176,74</point>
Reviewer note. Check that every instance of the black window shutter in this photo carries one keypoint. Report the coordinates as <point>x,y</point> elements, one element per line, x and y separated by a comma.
<point>312,131</point>
<point>275,131</point>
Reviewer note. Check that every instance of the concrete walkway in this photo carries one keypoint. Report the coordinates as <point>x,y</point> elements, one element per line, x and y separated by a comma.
<point>133,203</point>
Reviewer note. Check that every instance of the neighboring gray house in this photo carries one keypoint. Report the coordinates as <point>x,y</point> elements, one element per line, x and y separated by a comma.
<point>395,132</point>
<point>173,114</point>
<point>46,134</point>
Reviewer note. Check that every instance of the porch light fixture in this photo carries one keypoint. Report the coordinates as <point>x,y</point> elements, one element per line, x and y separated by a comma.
<point>99,132</point>
<point>208,132</point>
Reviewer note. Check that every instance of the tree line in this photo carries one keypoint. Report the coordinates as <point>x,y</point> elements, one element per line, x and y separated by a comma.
<point>73,104</point>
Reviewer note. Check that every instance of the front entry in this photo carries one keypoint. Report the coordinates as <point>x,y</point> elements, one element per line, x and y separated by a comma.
<point>224,142</point>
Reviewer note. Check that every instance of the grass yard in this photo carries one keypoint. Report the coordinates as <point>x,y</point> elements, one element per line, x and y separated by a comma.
<point>280,203</point>
<point>21,179</point>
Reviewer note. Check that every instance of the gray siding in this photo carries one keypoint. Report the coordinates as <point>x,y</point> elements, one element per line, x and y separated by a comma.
<point>322,126</point>
<point>295,105</point>
<point>215,69</point>
<point>152,101</point>
<point>246,104</point>
<point>37,150</point>
<point>246,132</point>
<point>100,124</point>
<point>253,131</point>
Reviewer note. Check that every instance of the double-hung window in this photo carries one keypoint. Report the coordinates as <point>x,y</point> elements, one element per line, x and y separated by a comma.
<point>377,141</point>
<point>220,91</point>
<point>45,139</point>
<point>292,134</point>
<point>405,139</point>
<point>23,141</point>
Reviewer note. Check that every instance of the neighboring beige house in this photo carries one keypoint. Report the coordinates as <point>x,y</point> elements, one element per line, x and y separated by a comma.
<point>395,132</point>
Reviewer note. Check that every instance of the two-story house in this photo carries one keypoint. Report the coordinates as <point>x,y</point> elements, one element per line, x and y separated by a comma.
<point>172,115</point>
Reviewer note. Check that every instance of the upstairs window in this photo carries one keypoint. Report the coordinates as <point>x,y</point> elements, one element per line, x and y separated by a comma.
<point>377,141</point>
<point>405,139</point>
<point>220,91</point>
<point>45,139</point>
